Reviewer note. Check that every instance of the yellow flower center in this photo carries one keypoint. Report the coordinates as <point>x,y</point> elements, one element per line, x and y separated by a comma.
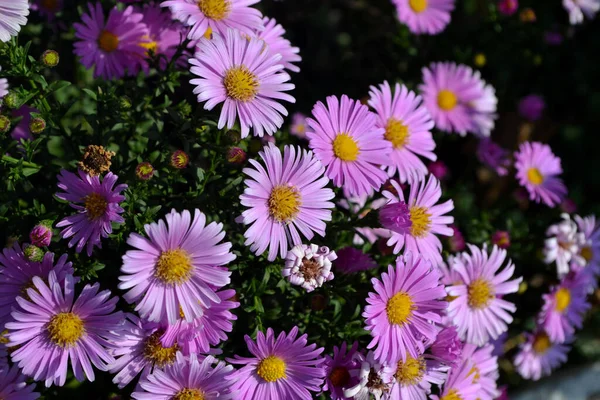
<point>3,338</point>
<point>240,83</point>
<point>418,6</point>
<point>562,299</point>
<point>447,100</point>
<point>95,206</point>
<point>587,253</point>
<point>535,176</point>
<point>189,394</point>
<point>475,372</point>
<point>284,203</point>
<point>271,369</point>
<point>411,371</point>
<point>108,41</point>
<point>421,221</point>
<point>65,329</point>
<point>173,266</point>
<point>156,353</point>
<point>50,5</point>
<point>541,343</point>
<point>345,147</point>
<point>396,132</point>
<point>215,9</point>
<point>480,293</point>
<point>339,377</point>
<point>399,308</point>
<point>451,395</point>
<point>150,45</point>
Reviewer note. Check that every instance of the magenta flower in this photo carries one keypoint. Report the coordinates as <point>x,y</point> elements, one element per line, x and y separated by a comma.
<point>13,14</point>
<point>272,34</point>
<point>178,269</point>
<point>164,34</point>
<point>439,169</point>
<point>508,7</point>
<point>97,205</point>
<point>52,327</point>
<point>404,308</point>
<point>338,370</point>
<point>113,46</point>
<point>351,260</point>
<point>538,356</point>
<point>425,16</point>
<point>287,198</point>
<point>308,266</point>
<point>428,219</point>
<point>13,385</point>
<point>493,156</point>
<point>280,368</point>
<point>408,126</point>
<point>41,234</point>
<point>478,310</point>
<point>395,217</point>
<point>345,137</point>
<point>447,347</point>
<point>531,107</point>
<point>298,126</point>
<point>538,170</point>
<point>483,371</point>
<point>501,239</point>
<point>234,70</point>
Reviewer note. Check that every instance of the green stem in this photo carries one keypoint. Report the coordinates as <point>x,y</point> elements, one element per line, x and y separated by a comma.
<point>16,161</point>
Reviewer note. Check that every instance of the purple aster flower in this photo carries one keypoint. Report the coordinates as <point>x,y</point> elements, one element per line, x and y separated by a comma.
<point>52,327</point>
<point>372,383</point>
<point>478,310</point>
<point>18,273</point>
<point>538,170</point>
<point>404,308</point>
<point>178,269</point>
<point>460,385</point>
<point>577,9</point>
<point>424,16</point>
<point>189,378</point>
<point>508,7</point>
<point>97,204</point>
<point>13,385</point>
<point>538,356</point>
<point>217,16</point>
<point>13,14</point>
<point>590,249</point>
<point>41,234</point>
<point>484,369</point>
<point>298,126</point>
<point>338,370</point>
<point>428,219</point>
<point>234,70</point>
<point>408,126</point>
<point>351,260</point>
<point>280,368</point>
<point>439,169</point>
<point>272,35</point>
<point>564,245</point>
<point>113,46</point>
<point>531,107</point>
<point>21,130</point>
<point>493,156</point>
<point>458,99</point>
<point>395,217</point>
<point>345,137</point>
<point>287,198</point>
<point>501,239</point>
<point>412,378</point>
<point>308,266</point>
<point>447,347</point>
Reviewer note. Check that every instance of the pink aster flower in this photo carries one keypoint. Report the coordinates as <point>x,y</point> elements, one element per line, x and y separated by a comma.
<point>351,260</point>
<point>97,204</point>
<point>411,379</point>
<point>298,126</point>
<point>338,370</point>
<point>280,368</point>
<point>217,16</point>
<point>538,356</point>
<point>538,170</point>
<point>287,198</point>
<point>458,99</point>
<point>13,385</point>
<point>404,308</point>
<point>531,107</point>
<point>428,219</point>
<point>308,266</point>
<point>478,310</point>
<point>188,378</point>
<point>112,46</point>
<point>577,9</point>
<point>345,137</point>
<point>563,245</point>
<point>234,70</point>
<point>447,347</point>
<point>407,125</point>
<point>460,385</point>
<point>13,14</point>
<point>272,35</point>
<point>178,269</point>
<point>395,217</point>
<point>424,16</point>
<point>483,369</point>
<point>372,382</point>
<point>52,327</point>
<point>493,156</point>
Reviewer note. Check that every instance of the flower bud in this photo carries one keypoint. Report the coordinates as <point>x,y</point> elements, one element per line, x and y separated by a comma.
<point>395,217</point>
<point>41,234</point>
<point>179,159</point>
<point>144,171</point>
<point>233,136</point>
<point>237,156</point>
<point>33,253</point>
<point>501,239</point>
<point>37,125</point>
<point>4,124</point>
<point>50,58</point>
<point>12,100</point>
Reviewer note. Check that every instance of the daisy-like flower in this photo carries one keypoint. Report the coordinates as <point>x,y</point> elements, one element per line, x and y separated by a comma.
<point>538,356</point>
<point>483,369</point>
<point>280,368</point>
<point>298,126</point>
<point>287,198</point>
<point>460,385</point>
<point>538,170</point>
<point>18,273</point>
<point>407,125</point>
<point>493,156</point>
<point>272,34</point>
<point>234,70</point>
<point>590,250</point>
<point>564,245</point>
<point>404,309</point>
<point>188,378</point>
<point>13,14</point>
<point>338,370</point>
<point>178,269</point>
<point>458,99</point>
<point>345,138</point>
<point>13,385</point>
<point>372,382</point>
<point>577,9</point>
<point>52,327</point>
<point>424,16</point>
<point>217,16</point>
<point>478,310</point>
<point>308,266</point>
<point>113,46</point>
<point>428,219</point>
<point>351,260</point>
<point>565,306</point>
<point>164,34</point>
<point>97,203</point>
